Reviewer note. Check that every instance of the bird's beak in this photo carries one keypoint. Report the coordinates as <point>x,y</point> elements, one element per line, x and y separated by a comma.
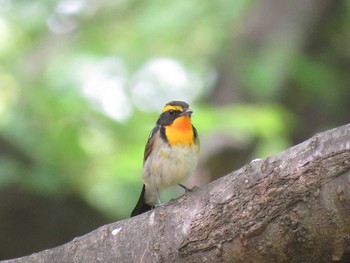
<point>187,112</point>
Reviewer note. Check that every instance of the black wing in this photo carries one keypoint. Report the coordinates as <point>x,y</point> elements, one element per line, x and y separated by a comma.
<point>195,135</point>
<point>150,142</point>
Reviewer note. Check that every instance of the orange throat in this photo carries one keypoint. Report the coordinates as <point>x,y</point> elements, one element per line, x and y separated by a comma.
<point>180,132</point>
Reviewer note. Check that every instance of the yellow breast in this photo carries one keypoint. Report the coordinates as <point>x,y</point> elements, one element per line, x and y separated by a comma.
<point>180,132</point>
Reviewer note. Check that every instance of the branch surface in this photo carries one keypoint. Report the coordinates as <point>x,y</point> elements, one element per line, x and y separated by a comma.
<point>290,207</point>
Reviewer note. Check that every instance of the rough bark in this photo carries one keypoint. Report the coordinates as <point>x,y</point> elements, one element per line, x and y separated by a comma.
<point>291,207</point>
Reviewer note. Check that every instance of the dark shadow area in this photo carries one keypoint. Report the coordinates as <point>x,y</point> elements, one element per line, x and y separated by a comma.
<point>31,223</point>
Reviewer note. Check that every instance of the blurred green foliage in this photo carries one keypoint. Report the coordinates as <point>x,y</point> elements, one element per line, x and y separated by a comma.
<point>82,83</point>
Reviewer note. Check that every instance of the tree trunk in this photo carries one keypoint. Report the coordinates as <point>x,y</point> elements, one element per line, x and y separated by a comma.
<point>291,207</point>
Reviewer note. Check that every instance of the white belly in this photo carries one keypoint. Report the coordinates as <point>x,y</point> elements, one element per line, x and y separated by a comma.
<point>167,167</point>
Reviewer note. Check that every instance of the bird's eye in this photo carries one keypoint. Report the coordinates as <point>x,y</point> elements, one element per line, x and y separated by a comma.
<point>171,112</point>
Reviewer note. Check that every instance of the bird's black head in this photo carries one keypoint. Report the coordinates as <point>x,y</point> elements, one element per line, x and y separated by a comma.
<point>173,110</point>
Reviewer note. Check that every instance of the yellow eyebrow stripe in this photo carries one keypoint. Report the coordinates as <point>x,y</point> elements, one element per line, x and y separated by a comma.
<point>171,107</point>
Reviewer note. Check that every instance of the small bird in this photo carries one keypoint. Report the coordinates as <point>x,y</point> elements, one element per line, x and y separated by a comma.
<point>170,155</point>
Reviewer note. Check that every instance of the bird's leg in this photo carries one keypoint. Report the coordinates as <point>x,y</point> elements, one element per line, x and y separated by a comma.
<point>158,196</point>
<point>159,201</point>
<point>184,187</point>
<point>187,189</point>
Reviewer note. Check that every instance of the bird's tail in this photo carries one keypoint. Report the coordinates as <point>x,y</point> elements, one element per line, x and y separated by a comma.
<point>141,206</point>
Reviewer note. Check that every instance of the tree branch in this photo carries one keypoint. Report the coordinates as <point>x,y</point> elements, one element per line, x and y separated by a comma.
<point>291,207</point>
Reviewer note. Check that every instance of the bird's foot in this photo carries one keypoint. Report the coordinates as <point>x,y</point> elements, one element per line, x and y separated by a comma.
<point>159,205</point>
